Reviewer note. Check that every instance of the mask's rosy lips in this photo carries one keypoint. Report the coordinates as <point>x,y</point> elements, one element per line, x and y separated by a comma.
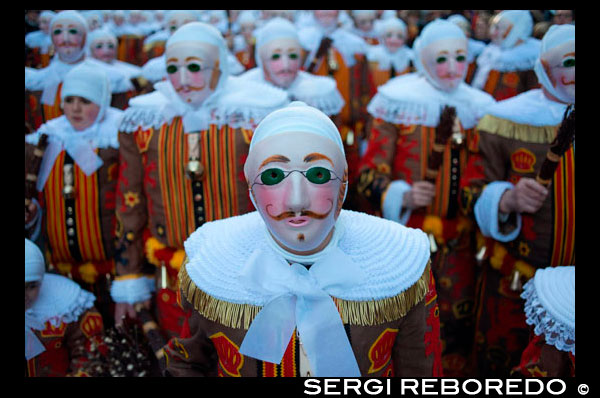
<point>297,222</point>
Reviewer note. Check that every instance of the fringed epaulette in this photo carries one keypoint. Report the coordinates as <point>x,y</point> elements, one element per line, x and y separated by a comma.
<point>359,313</point>
<point>517,131</point>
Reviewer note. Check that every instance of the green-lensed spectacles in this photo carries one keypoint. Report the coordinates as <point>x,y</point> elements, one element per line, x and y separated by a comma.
<point>316,175</point>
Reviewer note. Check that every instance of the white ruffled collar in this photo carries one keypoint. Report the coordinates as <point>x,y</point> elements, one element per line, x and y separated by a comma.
<point>531,107</point>
<point>400,59</point>
<point>60,300</point>
<point>103,134</point>
<point>238,103</point>
<point>392,256</point>
<point>411,99</point>
<point>317,91</point>
<point>520,57</point>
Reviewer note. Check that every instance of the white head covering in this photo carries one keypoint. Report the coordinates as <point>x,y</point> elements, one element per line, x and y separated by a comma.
<point>99,34</point>
<point>556,35</point>
<point>460,20</point>
<point>90,83</point>
<point>47,14</point>
<point>384,25</point>
<point>34,262</point>
<point>247,16</point>
<point>522,26</point>
<point>276,28</point>
<point>297,116</point>
<point>204,33</point>
<point>432,32</point>
<point>173,13</point>
<point>370,13</point>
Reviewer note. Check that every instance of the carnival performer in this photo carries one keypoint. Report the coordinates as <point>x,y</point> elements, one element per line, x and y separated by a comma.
<point>527,208</point>
<point>182,149</point>
<point>76,182</point>
<point>278,54</point>
<point>301,287</point>
<point>39,42</point>
<point>155,70</point>
<point>244,43</point>
<point>418,150</point>
<point>338,53</point>
<point>505,66</point>
<point>474,47</point>
<point>102,45</point>
<point>61,322</point>
<point>364,25</point>
<point>391,57</point>
<point>550,312</point>
<point>43,87</point>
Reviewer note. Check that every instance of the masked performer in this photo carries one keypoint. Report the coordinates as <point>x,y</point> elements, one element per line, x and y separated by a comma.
<point>43,87</point>
<point>182,149</point>
<point>526,210</point>
<point>419,147</point>
<point>278,53</point>
<point>61,322</point>
<point>39,44</point>
<point>298,287</point>
<point>76,182</point>
<point>505,66</point>
<point>364,25</point>
<point>244,43</point>
<point>474,47</point>
<point>391,57</point>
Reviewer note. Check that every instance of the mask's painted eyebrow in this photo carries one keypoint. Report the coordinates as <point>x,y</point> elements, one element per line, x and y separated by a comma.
<point>172,60</point>
<point>312,157</point>
<point>274,158</point>
<point>193,58</point>
<point>569,54</point>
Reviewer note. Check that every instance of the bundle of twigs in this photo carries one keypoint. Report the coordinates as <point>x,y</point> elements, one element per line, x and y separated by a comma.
<point>443,131</point>
<point>564,138</point>
<point>321,51</point>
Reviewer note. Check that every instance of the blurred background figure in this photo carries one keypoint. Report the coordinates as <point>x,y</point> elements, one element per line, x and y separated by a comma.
<point>39,50</point>
<point>364,25</point>
<point>562,17</point>
<point>244,42</point>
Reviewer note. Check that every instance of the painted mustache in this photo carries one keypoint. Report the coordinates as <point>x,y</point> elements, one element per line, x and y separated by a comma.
<point>307,213</point>
<point>190,88</point>
<point>562,80</point>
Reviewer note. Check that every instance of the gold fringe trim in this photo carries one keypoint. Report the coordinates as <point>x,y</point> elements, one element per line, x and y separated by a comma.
<point>522,132</point>
<point>360,313</point>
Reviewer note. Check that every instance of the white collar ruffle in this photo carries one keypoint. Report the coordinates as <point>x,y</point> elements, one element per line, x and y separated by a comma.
<point>393,257</point>
<point>399,59</point>
<point>237,103</point>
<point>320,92</point>
<point>531,107</point>
<point>411,99</point>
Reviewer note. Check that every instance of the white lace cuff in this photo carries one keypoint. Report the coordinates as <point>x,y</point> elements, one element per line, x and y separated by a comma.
<point>555,332</point>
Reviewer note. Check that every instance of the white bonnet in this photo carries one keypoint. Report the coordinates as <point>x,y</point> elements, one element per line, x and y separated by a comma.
<point>297,117</point>
<point>555,36</point>
<point>522,26</point>
<point>34,262</point>
<point>69,15</point>
<point>435,30</point>
<point>89,82</point>
<point>275,28</point>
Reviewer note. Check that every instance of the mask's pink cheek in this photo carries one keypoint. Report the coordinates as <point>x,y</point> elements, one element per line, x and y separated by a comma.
<point>441,70</point>
<point>461,67</point>
<point>274,198</point>
<point>175,79</point>
<point>276,66</point>
<point>197,79</point>
<point>323,198</point>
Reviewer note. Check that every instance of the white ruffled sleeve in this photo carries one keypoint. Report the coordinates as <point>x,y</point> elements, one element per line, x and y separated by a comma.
<point>486,212</point>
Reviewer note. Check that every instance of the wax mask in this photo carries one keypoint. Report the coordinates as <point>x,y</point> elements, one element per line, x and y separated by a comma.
<point>296,182</point>
<point>119,20</point>
<point>178,20</point>
<point>80,112</point>
<point>499,29</point>
<point>68,38</point>
<point>393,39</point>
<point>281,61</point>
<point>32,291</point>
<point>247,29</point>
<point>326,18</point>
<point>559,64</point>
<point>445,62</point>
<point>104,50</point>
<point>364,22</point>
<point>45,24</point>
<point>192,69</point>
